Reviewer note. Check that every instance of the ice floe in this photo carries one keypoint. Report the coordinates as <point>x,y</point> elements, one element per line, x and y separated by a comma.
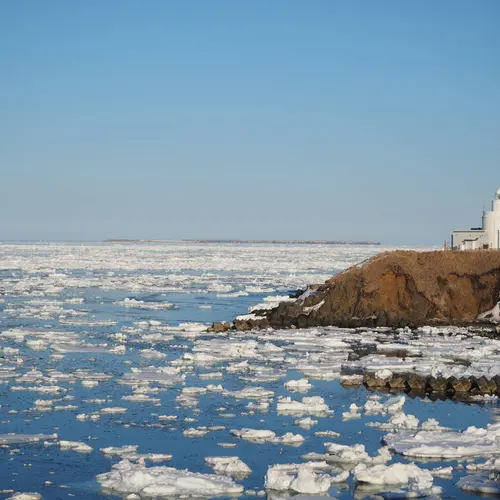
<point>160,481</point>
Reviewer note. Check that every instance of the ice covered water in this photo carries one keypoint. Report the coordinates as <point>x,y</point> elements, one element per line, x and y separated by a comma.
<point>110,384</point>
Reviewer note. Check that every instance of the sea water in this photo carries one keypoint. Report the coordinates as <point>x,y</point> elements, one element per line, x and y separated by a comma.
<point>71,311</point>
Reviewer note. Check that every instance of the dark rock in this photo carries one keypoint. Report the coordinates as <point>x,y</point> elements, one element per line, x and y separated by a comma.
<point>398,382</point>
<point>496,379</point>
<point>371,380</point>
<point>459,385</point>
<point>416,383</point>
<point>486,386</point>
<point>437,384</point>
<point>220,326</point>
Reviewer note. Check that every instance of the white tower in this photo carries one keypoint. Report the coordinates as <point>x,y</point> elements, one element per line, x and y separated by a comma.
<point>492,221</point>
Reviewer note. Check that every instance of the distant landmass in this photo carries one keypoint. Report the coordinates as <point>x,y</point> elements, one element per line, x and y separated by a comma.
<point>283,242</point>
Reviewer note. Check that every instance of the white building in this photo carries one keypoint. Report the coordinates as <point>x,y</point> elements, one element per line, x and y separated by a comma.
<point>487,236</point>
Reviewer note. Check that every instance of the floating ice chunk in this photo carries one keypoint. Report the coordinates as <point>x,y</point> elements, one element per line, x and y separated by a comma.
<point>432,424</point>
<point>195,432</point>
<point>211,375</point>
<point>90,383</point>
<point>260,406</point>
<point>492,464</point>
<point>120,451</point>
<point>164,375</point>
<point>25,438</point>
<point>267,436</point>
<point>254,435</point>
<point>487,484</point>
<point>130,452</point>
<point>167,417</point>
<point>152,354</point>
<point>306,423</point>
<point>419,481</point>
<point>399,421</point>
<point>140,398</point>
<point>473,442</point>
<point>128,478</point>
<point>327,434</point>
<point>141,304</point>
<point>314,405</point>
<point>25,496</point>
<point>112,410</point>
<point>256,392</point>
<point>230,466</point>
<point>442,471</point>
<point>75,446</point>
<point>352,413</point>
<point>392,405</point>
<point>299,478</point>
<point>301,385</point>
<point>354,454</point>
<point>307,481</point>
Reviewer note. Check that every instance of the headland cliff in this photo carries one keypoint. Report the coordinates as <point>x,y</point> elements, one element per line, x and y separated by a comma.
<point>396,289</point>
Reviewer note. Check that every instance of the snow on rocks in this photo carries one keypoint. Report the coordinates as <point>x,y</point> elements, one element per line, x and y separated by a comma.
<point>128,478</point>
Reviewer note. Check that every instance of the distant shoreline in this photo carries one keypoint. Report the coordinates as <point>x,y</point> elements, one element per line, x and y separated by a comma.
<point>283,242</point>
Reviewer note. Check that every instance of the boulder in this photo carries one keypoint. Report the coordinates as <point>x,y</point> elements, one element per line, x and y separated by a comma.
<point>460,385</point>
<point>416,383</point>
<point>486,386</point>
<point>398,382</point>
<point>220,327</point>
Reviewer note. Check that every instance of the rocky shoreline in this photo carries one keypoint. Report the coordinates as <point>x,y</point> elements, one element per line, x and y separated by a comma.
<point>394,289</point>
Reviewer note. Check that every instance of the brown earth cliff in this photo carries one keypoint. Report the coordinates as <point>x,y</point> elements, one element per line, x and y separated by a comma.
<point>396,289</point>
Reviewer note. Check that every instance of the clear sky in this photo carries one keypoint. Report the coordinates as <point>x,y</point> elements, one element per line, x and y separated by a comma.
<point>286,119</point>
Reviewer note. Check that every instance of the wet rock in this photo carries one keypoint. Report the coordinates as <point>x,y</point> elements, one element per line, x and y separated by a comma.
<point>486,386</point>
<point>398,382</point>
<point>220,327</point>
<point>251,324</point>
<point>439,384</point>
<point>371,380</point>
<point>496,379</point>
<point>461,385</point>
<point>351,380</point>
<point>416,383</point>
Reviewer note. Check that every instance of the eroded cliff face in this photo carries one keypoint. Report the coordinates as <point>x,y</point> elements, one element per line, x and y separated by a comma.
<point>401,288</point>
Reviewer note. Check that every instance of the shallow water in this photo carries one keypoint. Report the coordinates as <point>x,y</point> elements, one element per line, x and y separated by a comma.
<point>39,284</point>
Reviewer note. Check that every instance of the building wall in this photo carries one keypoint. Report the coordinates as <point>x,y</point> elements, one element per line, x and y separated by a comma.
<point>468,240</point>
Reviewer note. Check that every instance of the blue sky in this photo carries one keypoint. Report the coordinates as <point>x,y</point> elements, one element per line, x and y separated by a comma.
<point>282,119</point>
